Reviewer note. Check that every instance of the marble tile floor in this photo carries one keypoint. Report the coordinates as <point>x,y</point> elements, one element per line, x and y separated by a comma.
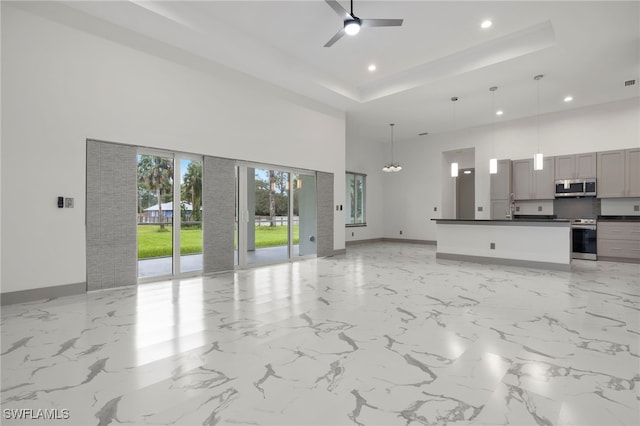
<point>385,335</point>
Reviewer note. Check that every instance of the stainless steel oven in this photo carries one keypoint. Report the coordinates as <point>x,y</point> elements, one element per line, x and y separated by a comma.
<point>584,239</point>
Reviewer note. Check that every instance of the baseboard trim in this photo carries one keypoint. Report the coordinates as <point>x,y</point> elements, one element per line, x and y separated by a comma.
<point>391,240</point>
<point>618,259</point>
<point>368,241</point>
<point>339,252</point>
<point>503,261</point>
<point>33,294</point>
<point>409,241</point>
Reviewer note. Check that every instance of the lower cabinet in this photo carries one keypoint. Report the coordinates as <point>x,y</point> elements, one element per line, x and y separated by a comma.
<point>619,241</point>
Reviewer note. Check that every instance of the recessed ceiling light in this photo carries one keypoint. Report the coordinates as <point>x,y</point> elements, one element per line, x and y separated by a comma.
<point>568,98</point>
<point>499,112</point>
<point>372,67</point>
<point>486,24</point>
<point>467,172</point>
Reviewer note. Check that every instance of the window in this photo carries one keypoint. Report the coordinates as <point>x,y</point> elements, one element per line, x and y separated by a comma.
<point>355,190</point>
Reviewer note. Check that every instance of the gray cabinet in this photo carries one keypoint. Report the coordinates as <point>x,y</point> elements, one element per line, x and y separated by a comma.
<point>501,191</point>
<point>619,241</point>
<point>576,166</point>
<point>544,180</point>
<point>500,209</point>
<point>586,165</point>
<point>619,173</point>
<point>529,184</point>
<point>522,179</point>
<point>632,172</point>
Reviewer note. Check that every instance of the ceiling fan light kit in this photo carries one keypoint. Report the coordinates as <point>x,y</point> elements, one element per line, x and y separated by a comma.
<point>352,24</point>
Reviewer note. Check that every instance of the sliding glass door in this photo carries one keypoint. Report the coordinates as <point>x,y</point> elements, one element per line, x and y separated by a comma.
<point>276,212</point>
<point>190,240</point>
<point>169,216</point>
<point>304,215</point>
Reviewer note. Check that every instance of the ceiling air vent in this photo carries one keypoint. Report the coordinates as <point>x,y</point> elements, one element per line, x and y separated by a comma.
<point>629,83</point>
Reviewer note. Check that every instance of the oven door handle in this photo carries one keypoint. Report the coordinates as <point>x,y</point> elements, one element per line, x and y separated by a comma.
<point>587,227</point>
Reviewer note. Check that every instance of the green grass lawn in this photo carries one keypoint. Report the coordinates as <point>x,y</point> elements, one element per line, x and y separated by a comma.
<point>155,243</point>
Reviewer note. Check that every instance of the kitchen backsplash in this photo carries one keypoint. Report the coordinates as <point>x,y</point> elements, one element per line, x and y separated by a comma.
<point>620,207</point>
<point>534,207</point>
<point>576,208</point>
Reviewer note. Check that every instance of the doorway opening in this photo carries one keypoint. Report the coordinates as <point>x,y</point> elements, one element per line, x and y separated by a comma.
<point>466,194</point>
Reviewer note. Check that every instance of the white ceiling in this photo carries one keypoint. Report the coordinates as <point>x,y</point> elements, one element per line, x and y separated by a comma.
<point>584,48</point>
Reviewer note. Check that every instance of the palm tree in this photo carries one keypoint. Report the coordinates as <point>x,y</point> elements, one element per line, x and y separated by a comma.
<point>156,173</point>
<point>192,188</point>
<point>272,197</point>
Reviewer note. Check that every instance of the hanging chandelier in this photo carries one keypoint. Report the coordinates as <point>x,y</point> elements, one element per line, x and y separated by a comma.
<point>392,166</point>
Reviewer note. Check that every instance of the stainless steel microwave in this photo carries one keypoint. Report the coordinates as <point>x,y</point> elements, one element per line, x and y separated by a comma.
<point>575,188</point>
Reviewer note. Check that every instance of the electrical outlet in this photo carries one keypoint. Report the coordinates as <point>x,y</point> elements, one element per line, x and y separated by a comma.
<point>636,208</point>
<point>435,209</point>
<point>68,203</point>
<point>479,208</point>
<point>517,208</point>
<point>539,208</point>
<point>400,232</point>
<point>353,234</point>
<point>492,246</point>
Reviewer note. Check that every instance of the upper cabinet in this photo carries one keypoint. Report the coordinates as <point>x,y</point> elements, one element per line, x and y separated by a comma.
<point>529,184</point>
<point>522,179</point>
<point>619,173</point>
<point>501,191</point>
<point>632,172</point>
<point>576,166</point>
<point>501,181</point>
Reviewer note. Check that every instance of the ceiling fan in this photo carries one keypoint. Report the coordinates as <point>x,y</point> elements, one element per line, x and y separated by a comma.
<point>352,23</point>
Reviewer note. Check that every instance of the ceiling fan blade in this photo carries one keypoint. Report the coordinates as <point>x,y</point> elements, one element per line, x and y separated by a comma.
<point>381,22</point>
<point>335,38</point>
<point>341,11</point>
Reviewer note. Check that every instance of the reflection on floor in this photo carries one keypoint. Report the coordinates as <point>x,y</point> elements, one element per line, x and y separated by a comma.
<point>159,266</point>
<point>385,335</point>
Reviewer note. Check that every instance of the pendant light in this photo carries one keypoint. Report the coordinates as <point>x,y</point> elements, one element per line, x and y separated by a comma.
<point>493,162</point>
<point>454,166</point>
<point>538,161</point>
<point>392,166</point>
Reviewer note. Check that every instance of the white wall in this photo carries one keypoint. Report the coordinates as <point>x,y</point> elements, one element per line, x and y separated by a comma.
<point>410,196</point>
<point>61,86</point>
<point>365,157</point>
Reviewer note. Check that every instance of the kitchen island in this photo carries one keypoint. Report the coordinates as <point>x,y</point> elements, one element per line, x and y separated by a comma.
<point>540,243</point>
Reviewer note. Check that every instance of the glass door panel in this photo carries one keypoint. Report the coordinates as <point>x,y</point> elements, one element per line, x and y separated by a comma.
<point>267,238</point>
<point>155,215</point>
<point>236,229</point>
<point>190,215</point>
<point>304,215</point>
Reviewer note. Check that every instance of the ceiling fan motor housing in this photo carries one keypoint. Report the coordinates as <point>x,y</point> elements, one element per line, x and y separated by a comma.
<point>352,25</point>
